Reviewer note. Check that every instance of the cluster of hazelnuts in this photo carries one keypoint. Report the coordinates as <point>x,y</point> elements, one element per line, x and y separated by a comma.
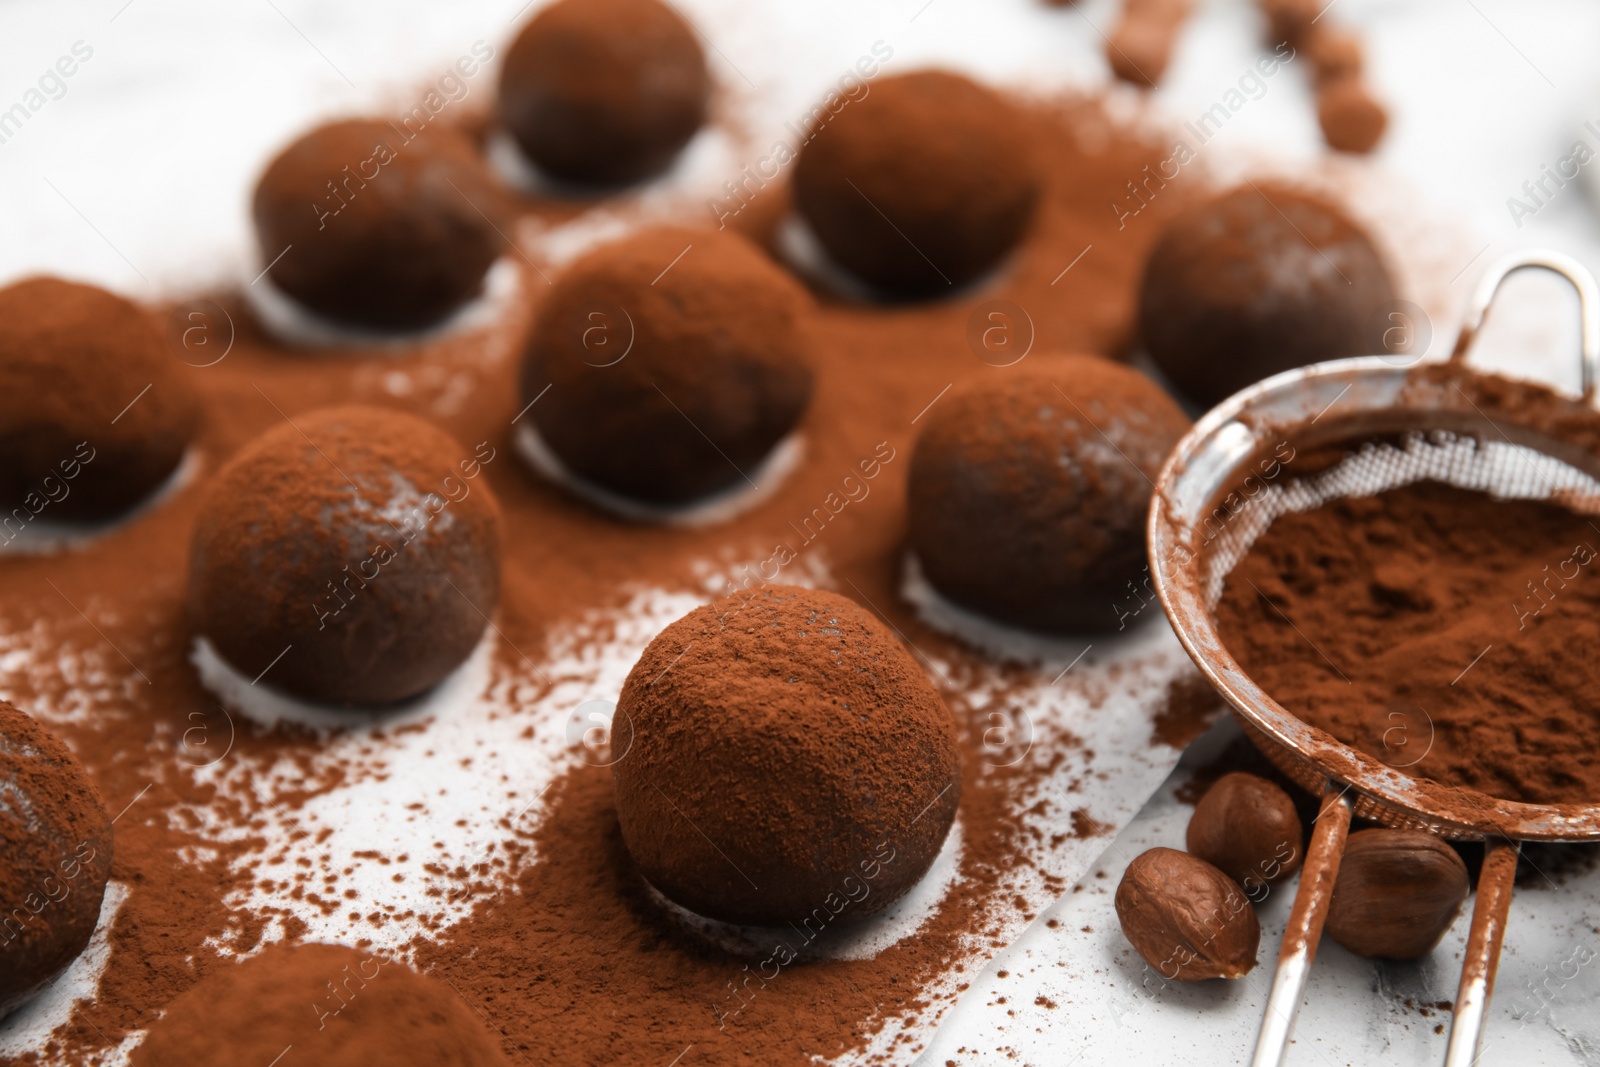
<point>1190,914</point>
<point>1352,120</point>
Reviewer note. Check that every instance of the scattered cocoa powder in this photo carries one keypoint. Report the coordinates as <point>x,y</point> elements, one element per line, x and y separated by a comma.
<point>571,960</point>
<point>1463,621</point>
<point>545,958</point>
<point>1191,707</point>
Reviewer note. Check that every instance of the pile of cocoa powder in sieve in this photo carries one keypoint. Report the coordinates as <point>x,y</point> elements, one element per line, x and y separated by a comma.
<point>1446,632</point>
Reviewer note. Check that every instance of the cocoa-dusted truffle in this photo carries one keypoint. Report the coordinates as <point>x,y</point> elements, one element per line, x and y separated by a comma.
<point>921,185</point>
<point>790,763</point>
<point>55,857</point>
<point>1028,492</point>
<point>360,545</point>
<point>604,91</point>
<point>378,226</point>
<point>334,1006</point>
<point>1257,281</point>
<point>675,359</point>
<point>100,413</point>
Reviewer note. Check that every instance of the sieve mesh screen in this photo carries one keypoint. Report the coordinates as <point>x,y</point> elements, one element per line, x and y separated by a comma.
<point>1499,468</point>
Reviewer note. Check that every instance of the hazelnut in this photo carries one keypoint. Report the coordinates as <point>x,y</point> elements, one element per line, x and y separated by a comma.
<point>1186,918</point>
<point>1398,891</point>
<point>1141,45</point>
<point>1248,828</point>
<point>1290,20</point>
<point>1336,53</point>
<point>1352,121</point>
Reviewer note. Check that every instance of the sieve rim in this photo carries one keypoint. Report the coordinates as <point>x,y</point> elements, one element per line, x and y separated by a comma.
<point>1213,456</point>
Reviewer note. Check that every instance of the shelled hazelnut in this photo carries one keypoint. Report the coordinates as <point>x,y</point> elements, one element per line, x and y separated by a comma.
<point>1247,828</point>
<point>1186,918</point>
<point>1335,53</point>
<point>1352,119</point>
<point>1397,893</point>
<point>1140,47</point>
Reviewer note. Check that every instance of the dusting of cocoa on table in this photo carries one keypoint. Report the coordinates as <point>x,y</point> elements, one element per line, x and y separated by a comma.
<point>1191,707</point>
<point>571,961</point>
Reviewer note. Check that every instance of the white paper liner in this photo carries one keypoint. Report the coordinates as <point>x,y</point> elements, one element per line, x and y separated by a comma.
<point>764,481</point>
<point>291,322</point>
<point>42,537</point>
<point>851,939</point>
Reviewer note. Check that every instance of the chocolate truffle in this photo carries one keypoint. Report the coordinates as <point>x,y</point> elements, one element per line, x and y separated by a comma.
<point>335,1006</point>
<point>790,762</point>
<point>1254,282</point>
<point>676,359</point>
<point>604,91</point>
<point>55,857</point>
<point>360,545</point>
<point>101,412</point>
<point>375,225</point>
<point>1028,492</point>
<point>921,185</point>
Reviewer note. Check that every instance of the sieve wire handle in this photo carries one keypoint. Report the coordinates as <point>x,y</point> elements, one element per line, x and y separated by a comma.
<point>1305,925</point>
<point>1543,259</point>
<point>1489,912</point>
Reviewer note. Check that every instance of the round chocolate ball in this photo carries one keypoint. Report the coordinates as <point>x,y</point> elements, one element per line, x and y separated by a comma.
<point>1028,492</point>
<point>361,545</point>
<point>789,760</point>
<point>101,412</point>
<point>375,225</point>
<point>1257,281</point>
<point>334,1006</point>
<point>676,359</point>
<point>55,857</point>
<point>604,91</point>
<point>919,186</point>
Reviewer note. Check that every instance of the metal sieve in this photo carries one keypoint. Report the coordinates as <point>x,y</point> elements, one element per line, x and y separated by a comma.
<point>1389,425</point>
